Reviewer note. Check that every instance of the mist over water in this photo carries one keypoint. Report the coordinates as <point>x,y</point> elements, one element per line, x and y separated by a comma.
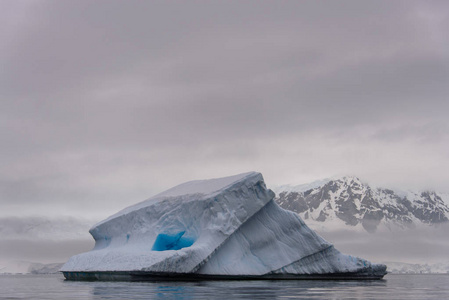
<point>420,245</point>
<point>46,240</point>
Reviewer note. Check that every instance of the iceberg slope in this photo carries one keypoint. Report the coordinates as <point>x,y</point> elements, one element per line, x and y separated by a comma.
<point>276,241</point>
<point>220,227</point>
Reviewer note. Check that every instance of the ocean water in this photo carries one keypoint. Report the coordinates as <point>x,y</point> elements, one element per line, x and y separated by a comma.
<point>392,287</point>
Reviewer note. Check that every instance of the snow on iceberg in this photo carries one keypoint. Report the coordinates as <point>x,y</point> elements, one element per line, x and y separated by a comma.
<point>219,228</point>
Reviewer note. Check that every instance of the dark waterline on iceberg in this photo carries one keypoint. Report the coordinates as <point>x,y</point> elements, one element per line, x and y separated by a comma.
<point>152,276</point>
<point>392,287</point>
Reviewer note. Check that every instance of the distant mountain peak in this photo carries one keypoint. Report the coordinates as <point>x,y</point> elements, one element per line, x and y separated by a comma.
<point>348,201</point>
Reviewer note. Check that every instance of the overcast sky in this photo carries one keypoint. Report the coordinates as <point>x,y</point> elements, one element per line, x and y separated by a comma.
<point>105,103</point>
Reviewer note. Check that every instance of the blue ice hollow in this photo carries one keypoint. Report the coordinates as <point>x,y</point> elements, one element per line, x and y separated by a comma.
<point>172,242</point>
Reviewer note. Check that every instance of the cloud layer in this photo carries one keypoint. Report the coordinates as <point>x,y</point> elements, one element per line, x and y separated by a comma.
<point>104,103</point>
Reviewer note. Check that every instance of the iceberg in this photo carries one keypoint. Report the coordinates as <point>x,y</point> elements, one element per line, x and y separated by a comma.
<point>226,228</point>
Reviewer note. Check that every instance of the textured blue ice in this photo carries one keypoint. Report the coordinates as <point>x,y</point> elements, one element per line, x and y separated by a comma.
<point>175,241</point>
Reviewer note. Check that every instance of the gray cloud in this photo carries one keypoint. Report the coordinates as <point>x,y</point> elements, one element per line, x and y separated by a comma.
<point>105,103</point>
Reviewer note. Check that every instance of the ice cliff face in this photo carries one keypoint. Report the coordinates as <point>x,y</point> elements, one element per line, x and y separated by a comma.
<point>350,202</point>
<point>226,226</point>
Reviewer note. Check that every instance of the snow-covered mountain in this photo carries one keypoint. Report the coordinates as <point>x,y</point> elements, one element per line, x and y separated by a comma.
<point>347,201</point>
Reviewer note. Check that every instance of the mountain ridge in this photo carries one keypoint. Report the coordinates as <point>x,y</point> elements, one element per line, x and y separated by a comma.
<point>350,202</point>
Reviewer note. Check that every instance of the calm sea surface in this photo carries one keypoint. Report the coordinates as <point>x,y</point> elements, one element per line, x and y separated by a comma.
<point>392,287</point>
